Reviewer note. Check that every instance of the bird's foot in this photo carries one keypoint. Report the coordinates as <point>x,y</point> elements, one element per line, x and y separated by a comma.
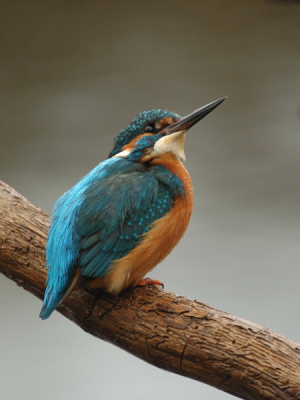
<point>149,281</point>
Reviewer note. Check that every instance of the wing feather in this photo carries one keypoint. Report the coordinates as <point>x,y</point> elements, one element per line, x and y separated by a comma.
<point>124,208</point>
<point>101,219</point>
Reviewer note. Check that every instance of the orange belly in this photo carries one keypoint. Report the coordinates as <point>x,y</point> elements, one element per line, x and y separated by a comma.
<point>158,242</point>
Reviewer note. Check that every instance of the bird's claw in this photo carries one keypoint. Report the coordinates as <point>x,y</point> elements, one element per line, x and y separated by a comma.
<point>149,281</point>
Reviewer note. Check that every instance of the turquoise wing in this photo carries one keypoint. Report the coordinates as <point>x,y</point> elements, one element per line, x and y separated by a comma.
<point>101,219</point>
<point>115,215</point>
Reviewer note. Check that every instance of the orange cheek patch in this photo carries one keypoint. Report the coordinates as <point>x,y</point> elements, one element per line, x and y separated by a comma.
<point>166,122</point>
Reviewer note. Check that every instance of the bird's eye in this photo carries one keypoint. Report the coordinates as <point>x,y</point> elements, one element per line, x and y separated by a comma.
<point>148,129</point>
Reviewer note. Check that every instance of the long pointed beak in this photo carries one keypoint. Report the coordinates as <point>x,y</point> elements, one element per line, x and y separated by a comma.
<point>185,123</point>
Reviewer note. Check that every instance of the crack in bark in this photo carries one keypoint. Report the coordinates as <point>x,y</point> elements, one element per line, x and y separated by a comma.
<point>182,357</point>
<point>95,300</point>
<point>225,380</point>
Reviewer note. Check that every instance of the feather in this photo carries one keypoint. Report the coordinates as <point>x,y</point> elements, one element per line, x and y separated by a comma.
<point>101,219</point>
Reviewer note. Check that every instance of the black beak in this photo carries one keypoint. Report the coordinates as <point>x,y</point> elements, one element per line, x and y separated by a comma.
<point>185,123</point>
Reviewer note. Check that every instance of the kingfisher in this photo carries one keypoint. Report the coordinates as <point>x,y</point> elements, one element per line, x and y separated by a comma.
<point>125,216</point>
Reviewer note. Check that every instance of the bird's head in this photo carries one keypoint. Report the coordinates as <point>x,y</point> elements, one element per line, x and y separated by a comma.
<point>157,132</point>
<point>148,122</point>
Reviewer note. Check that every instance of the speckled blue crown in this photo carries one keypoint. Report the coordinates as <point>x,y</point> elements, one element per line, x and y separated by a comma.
<point>137,126</point>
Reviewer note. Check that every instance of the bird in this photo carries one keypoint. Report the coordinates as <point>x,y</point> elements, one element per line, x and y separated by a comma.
<point>127,214</point>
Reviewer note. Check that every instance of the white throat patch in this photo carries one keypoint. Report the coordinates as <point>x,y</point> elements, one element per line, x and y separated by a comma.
<point>173,143</point>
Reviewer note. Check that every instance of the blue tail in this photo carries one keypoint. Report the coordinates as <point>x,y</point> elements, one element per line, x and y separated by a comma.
<point>51,302</point>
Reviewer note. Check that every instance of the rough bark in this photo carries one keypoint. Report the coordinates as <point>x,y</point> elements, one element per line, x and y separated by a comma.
<point>169,331</point>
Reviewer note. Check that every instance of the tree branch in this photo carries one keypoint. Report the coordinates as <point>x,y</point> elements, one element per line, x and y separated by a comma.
<point>171,332</point>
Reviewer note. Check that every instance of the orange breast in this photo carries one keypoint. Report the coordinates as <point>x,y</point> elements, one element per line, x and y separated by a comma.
<point>158,242</point>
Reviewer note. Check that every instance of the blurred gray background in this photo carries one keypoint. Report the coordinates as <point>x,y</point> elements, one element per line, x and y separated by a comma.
<point>73,73</point>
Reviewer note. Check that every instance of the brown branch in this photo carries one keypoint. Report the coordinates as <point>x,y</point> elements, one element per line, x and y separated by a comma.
<point>171,332</point>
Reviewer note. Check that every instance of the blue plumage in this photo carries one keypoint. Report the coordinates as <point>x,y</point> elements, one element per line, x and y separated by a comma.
<point>145,118</point>
<point>118,209</point>
<point>63,245</point>
<point>135,204</point>
<point>101,219</point>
